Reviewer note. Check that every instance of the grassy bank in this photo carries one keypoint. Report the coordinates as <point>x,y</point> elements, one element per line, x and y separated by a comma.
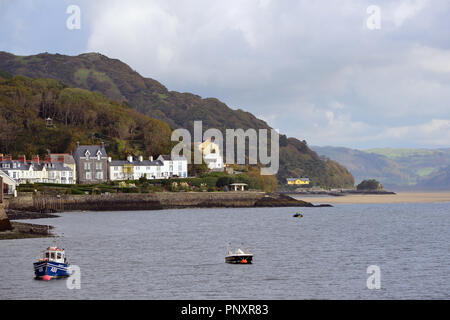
<point>211,182</point>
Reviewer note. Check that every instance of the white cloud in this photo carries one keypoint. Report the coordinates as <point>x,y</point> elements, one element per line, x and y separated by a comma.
<point>407,9</point>
<point>291,63</point>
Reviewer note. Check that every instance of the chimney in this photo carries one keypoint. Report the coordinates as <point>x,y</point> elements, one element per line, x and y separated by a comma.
<point>141,158</point>
<point>78,144</point>
<point>150,158</point>
<point>22,158</point>
<point>130,158</point>
<point>103,144</point>
<point>35,158</point>
<point>7,157</point>
<point>1,157</point>
<point>109,159</point>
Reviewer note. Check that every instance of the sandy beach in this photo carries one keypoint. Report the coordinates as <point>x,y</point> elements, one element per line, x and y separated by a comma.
<point>401,197</point>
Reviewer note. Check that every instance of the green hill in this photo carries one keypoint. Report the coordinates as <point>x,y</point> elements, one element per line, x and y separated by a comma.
<point>418,163</point>
<point>395,168</point>
<point>78,115</point>
<point>365,166</point>
<point>438,180</point>
<point>118,82</point>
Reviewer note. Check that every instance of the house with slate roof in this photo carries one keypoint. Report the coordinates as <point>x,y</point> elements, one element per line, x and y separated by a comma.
<point>91,163</point>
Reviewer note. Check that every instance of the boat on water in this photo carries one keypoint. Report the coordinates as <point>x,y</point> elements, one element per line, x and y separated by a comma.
<point>242,256</point>
<point>53,264</point>
<point>298,215</point>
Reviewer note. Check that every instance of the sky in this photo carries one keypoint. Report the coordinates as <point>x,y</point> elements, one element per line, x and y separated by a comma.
<point>358,74</point>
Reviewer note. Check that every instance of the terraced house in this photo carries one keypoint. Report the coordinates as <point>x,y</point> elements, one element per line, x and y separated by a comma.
<point>135,168</point>
<point>34,171</point>
<point>91,163</point>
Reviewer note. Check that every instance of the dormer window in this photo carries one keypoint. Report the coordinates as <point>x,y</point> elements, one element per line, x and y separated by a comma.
<point>99,155</point>
<point>87,154</point>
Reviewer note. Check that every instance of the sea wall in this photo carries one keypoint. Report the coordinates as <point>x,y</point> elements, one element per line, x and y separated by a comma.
<point>127,201</point>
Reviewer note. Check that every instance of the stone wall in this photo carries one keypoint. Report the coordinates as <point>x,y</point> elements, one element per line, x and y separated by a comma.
<point>133,201</point>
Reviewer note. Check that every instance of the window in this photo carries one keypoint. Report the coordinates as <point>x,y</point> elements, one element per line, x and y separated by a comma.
<point>88,176</point>
<point>99,175</point>
<point>87,166</point>
<point>98,166</point>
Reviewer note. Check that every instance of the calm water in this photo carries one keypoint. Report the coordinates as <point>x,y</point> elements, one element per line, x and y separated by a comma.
<point>179,254</point>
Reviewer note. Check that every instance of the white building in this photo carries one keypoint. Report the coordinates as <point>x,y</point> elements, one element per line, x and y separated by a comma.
<point>174,166</point>
<point>34,172</point>
<point>9,184</point>
<point>211,154</point>
<point>135,168</point>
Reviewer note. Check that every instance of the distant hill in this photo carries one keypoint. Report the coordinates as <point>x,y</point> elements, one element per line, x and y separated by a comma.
<point>395,168</point>
<point>439,179</point>
<point>417,162</point>
<point>118,82</point>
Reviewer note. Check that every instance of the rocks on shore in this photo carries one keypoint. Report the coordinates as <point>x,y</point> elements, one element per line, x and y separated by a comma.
<point>282,200</point>
<point>28,215</point>
<point>4,221</point>
<point>22,230</point>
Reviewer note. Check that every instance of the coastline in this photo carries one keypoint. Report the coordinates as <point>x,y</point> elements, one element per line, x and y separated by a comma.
<point>151,201</point>
<point>38,207</point>
<point>401,197</point>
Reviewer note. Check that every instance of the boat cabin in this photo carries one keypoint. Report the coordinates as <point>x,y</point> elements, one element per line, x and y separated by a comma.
<point>54,254</point>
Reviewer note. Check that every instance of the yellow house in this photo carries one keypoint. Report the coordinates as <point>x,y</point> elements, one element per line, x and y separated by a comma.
<point>208,146</point>
<point>298,181</point>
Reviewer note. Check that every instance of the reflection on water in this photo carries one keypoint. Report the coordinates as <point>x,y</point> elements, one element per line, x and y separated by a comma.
<point>179,254</point>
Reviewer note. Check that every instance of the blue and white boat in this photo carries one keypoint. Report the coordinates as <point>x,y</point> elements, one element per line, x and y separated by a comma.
<point>53,264</point>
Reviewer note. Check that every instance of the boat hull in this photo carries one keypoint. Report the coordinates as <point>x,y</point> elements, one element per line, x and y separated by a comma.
<point>52,269</point>
<point>241,259</point>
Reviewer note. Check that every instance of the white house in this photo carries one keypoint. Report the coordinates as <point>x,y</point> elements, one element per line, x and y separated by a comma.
<point>134,169</point>
<point>35,172</point>
<point>173,166</point>
<point>59,173</point>
<point>211,154</point>
<point>9,183</point>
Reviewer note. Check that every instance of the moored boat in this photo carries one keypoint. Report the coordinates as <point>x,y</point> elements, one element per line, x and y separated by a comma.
<point>298,215</point>
<point>53,264</point>
<point>242,256</point>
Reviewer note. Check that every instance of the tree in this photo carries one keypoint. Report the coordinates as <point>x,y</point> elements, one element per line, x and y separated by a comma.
<point>224,181</point>
<point>370,185</point>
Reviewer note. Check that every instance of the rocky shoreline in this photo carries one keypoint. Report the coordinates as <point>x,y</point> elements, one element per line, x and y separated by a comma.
<point>21,230</point>
<point>151,201</point>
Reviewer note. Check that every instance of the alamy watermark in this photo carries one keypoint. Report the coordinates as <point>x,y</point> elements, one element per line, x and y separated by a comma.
<point>74,280</point>
<point>374,280</point>
<point>374,20</point>
<point>258,144</point>
<point>73,22</point>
